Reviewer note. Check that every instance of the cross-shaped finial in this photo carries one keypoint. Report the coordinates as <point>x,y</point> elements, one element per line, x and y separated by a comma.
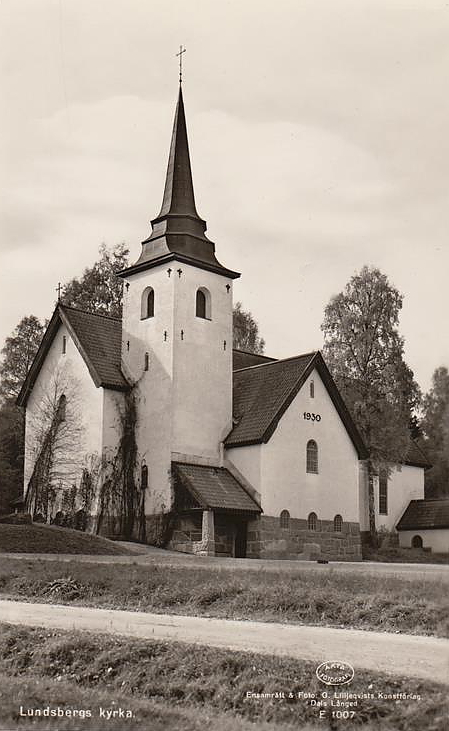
<point>181,51</point>
<point>58,289</point>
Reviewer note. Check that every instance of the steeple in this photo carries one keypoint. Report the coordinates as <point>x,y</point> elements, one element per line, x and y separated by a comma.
<point>178,194</point>
<point>178,232</point>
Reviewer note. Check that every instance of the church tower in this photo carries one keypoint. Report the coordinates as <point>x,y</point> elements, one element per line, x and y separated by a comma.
<point>177,332</point>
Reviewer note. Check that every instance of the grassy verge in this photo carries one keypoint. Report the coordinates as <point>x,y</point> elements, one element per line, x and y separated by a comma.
<point>317,596</point>
<point>36,538</point>
<point>178,682</point>
<point>395,554</point>
<point>31,691</point>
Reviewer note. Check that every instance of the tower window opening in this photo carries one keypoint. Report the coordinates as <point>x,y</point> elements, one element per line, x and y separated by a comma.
<point>147,304</point>
<point>202,304</point>
<point>146,362</point>
<point>312,521</point>
<point>144,477</point>
<point>312,456</point>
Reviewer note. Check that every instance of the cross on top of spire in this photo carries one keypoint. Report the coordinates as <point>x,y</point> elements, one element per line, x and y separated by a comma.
<point>181,51</point>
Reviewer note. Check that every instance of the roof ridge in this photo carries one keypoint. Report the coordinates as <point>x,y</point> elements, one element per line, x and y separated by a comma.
<point>430,499</point>
<point>86,312</point>
<point>195,464</point>
<point>277,362</point>
<point>249,352</point>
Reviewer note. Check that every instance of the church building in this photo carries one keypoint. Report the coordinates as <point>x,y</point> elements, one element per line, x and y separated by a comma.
<point>153,428</point>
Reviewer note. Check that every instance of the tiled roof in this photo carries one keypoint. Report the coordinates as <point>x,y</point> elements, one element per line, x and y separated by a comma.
<point>214,488</point>
<point>100,338</point>
<point>259,394</point>
<point>97,337</point>
<point>416,457</point>
<point>425,514</point>
<point>243,359</point>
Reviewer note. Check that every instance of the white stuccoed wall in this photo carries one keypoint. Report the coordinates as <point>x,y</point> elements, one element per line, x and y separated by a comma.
<point>285,483</point>
<point>84,404</point>
<point>248,461</point>
<point>404,484</point>
<point>437,539</point>
<point>185,398</point>
<point>202,365</point>
<point>278,469</point>
<point>153,387</point>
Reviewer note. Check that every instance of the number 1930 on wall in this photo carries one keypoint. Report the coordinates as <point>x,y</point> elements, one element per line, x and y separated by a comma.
<point>312,417</point>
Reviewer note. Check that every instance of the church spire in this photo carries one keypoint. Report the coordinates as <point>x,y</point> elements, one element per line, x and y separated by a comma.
<point>178,232</point>
<point>179,198</point>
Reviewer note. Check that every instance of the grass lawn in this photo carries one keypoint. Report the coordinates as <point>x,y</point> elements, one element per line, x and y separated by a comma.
<point>317,596</point>
<point>187,687</point>
<point>38,538</point>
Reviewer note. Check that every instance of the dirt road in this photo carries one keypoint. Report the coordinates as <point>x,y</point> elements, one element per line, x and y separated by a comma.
<point>393,654</point>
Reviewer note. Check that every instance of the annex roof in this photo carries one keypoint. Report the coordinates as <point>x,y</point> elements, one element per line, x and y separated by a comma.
<point>98,339</point>
<point>214,488</point>
<point>425,515</point>
<point>262,394</point>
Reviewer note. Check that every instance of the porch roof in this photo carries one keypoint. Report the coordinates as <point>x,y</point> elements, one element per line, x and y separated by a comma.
<point>214,488</point>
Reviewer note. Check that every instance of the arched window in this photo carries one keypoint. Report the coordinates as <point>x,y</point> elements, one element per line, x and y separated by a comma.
<point>338,523</point>
<point>202,303</point>
<point>312,389</point>
<point>144,477</point>
<point>62,403</point>
<point>416,542</point>
<point>146,363</point>
<point>284,519</point>
<point>312,456</point>
<point>312,521</point>
<point>147,305</point>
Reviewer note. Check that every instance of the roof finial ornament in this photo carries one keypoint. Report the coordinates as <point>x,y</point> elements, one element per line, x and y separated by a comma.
<point>58,289</point>
<point>181,51</point>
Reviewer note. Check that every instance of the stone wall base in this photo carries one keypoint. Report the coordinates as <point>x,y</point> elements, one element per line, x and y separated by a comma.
<point>266,539</point>
<point>187,534</point>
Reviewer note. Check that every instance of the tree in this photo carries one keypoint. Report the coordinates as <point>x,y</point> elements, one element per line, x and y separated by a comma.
<point>246,331</point>
<point>99,289</point>
<point>364,352</point>
<point>435,425</point>
<point>18,353</point>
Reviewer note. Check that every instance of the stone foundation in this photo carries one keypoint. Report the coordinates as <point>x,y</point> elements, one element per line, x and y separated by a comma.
<point>204,534</point>
<point>187,535</point>
<point>266,539</point>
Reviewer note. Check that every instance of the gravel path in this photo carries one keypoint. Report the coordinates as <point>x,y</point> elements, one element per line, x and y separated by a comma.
<point>393,654</point>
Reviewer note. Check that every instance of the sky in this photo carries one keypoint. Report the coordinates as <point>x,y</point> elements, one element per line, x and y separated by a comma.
<point>318,134</point>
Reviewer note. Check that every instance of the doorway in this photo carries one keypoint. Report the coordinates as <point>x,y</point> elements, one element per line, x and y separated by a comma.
<point>240,539</point>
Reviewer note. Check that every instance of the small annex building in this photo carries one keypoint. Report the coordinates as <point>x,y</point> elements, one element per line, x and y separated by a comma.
<point>425,524</point>
<point>153,427</point>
